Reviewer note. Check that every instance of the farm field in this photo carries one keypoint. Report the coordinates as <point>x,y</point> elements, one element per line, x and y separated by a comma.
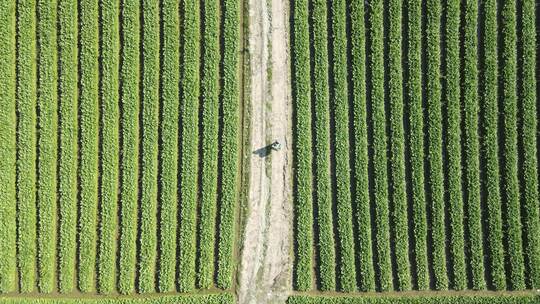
<point>120,147</point>
<point>415,146</point>
<point>137,162</point>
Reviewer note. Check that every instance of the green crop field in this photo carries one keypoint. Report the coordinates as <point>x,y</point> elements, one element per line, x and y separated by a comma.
<point>415,129</point>
<point>408,155</point>
<point>119,155</point>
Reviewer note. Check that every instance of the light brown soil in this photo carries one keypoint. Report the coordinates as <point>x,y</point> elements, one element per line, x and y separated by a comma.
<point>265,269</point>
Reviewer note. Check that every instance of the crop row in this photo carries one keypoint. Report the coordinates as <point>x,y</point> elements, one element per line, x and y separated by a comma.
<point>150,112</point>
<point>169,152</point>
<point>302,149</point>
<point>210,121</point>
<point>379,148</point>
<point>340,113</point>
<point>360,148</point>
<point>325,241</point>
<point>68,128</point>
<point>529,125</point>
<point>471,299</point>
<point>47,145</point>
<point>7,147</point>
<point>490,149</point>
<point>513,228</point>
<point>229,141</point>
<point>471,174</point>
<point>452,106</point>
<point>435,195</point>
<point>397,198</point>
<point>416,142</point>
<point>88,149</point>
<point>26,144</point>
<point>212,298</point>
<point>129,149</point>
<point>189,144</point>
<point>108,218</point>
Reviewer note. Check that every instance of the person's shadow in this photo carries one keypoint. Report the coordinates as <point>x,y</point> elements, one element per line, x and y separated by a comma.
<point>264,151</point>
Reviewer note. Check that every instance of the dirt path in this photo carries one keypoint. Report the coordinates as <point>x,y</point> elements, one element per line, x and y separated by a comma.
<point>265,270</point>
